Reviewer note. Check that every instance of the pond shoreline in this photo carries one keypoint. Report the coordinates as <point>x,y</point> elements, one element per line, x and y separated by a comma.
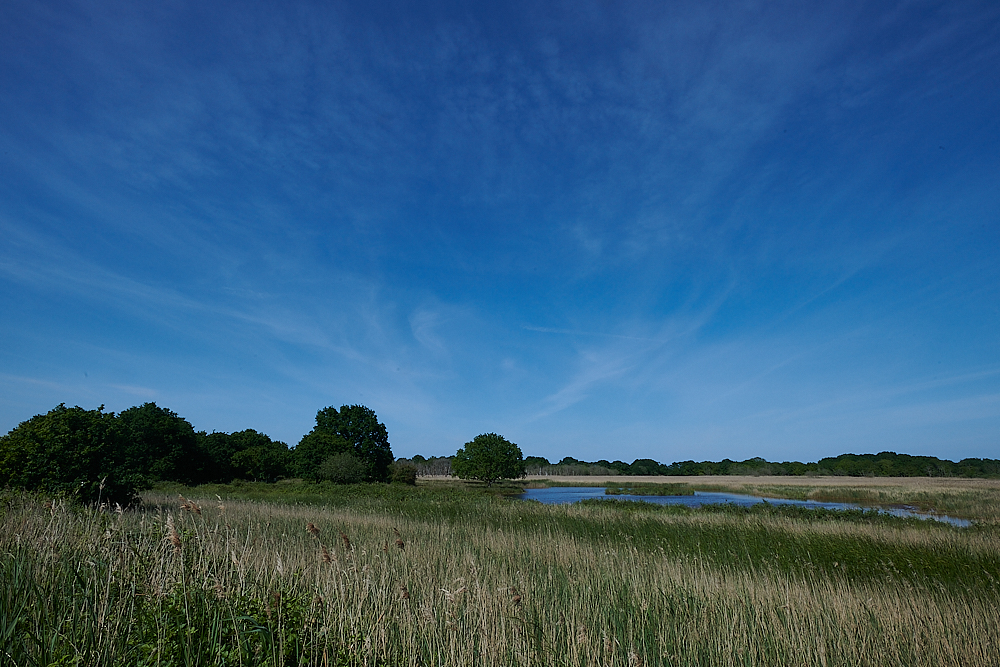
<point>558,495</point>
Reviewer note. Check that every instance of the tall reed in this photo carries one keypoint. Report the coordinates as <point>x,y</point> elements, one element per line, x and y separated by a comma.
<point>489,581</point>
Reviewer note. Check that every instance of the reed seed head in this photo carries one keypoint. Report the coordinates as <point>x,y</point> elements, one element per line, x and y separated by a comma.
<point>172,535</point>
<point>189,505</point>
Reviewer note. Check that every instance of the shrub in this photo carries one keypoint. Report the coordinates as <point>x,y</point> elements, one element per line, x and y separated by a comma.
<point>403,473</point>
<point>343,468</point>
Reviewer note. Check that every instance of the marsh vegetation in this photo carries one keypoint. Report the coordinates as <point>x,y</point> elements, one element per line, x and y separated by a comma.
<point>451,574</point>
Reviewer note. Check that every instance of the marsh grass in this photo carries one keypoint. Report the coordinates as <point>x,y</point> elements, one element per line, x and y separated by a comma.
<point>486,580</point>
<point>648,489</point>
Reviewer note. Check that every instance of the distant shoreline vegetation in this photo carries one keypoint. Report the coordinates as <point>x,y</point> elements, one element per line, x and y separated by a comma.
<point>883,464</point>
<point>99,456</point>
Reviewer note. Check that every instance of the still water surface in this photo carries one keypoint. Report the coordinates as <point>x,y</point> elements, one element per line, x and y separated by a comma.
<point>558,495</point>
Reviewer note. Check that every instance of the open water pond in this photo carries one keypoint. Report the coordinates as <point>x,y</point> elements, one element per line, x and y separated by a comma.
<point>558,495</point>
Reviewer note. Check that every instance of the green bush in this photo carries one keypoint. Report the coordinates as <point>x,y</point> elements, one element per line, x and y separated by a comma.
<point>403,473</point>
<point>343,469</point>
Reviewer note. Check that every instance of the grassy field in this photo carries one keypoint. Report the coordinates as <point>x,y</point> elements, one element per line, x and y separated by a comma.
<point>444,574</point>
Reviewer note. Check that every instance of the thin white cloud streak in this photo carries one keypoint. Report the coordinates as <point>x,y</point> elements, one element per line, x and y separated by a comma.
<point>576,332</point>
<point>596,369</point>
<point>600,366</point>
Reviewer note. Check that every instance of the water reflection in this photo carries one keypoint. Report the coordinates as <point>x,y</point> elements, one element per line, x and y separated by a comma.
<point>558,495</point>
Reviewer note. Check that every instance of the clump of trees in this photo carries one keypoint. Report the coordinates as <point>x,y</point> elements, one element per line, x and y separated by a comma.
<point>99,456</point>
<point>355,431</point>
<point>883,464</point>
<point>489,457</point>
<point>69,451</point>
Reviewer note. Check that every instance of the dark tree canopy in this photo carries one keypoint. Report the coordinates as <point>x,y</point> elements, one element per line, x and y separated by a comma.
<point>70,451</point>
<point>488,458</point>
<point>216,453</point>
<point>344,468</point>
<point>158,442</point>
<point>244,454</point>
<point>258,458</point>
<point>315,448</point>
<point>357,426</point>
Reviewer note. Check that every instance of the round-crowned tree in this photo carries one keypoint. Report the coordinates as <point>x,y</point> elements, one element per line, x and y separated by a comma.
<point>353,429</point>
<point>488,458</point>
<point>159,443</point>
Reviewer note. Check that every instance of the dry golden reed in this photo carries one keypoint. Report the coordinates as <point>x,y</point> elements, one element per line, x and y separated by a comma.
<point>534,586</point>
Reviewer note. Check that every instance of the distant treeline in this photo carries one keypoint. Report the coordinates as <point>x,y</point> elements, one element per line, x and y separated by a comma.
<point>883,464</point>
<point>103,456</point>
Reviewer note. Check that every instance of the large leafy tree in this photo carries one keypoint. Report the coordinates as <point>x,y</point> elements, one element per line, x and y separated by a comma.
<point>160,443</point>
<point>70,451</point>
<point>257,457</point>
<point>354,429</point>
<point>216,452</point>
<point>315,448</point>
<point>488,458</point>
<point>244,454</point>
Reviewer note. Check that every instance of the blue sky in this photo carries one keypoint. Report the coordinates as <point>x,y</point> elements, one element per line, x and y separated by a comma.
<point>687,230</point>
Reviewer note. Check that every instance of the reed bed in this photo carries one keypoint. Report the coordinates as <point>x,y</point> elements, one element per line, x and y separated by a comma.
<point>488,581</point>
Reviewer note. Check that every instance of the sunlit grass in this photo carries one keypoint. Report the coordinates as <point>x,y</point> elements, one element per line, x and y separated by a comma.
<point>484,580</point>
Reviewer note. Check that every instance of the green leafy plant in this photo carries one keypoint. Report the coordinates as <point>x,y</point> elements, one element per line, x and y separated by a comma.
<point>488,458</point>
<point>343,468</point>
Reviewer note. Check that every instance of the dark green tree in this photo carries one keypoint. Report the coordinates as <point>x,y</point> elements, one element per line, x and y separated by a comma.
<point>314,448</point>
<point>343,468</point>
<point>256,457</point>
<point>69,451</point>
<point>159,443</point>
<point>536,464</point>
<point>359,427</point>
<point>488,458</point>
<point>216,450</point>
<point>245,454</point>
